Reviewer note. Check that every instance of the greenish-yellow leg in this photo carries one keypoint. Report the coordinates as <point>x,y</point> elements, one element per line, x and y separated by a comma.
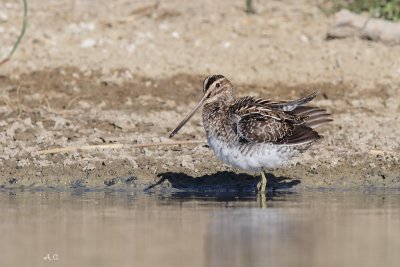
<point>262,184</point>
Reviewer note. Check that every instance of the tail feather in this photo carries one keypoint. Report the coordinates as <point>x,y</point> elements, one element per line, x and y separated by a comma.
<point>301,135</point>
<point>307,111</point>
<point>314,116</point>
<point>318,122</point>
<point>291,105</point>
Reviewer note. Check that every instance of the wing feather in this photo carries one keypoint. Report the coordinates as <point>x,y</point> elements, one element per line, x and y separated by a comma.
<point>283,122</point>
<point>285,105</point>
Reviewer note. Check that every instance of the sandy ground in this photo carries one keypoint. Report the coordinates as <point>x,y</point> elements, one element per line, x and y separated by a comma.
<point>102,72</point>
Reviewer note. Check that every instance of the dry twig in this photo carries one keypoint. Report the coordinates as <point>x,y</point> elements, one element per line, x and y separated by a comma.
<point>18,100</point>
<point>378,152</point>
<point>7,102</point>
<point>69,104</point>
<point>14,105</point>
<point>115,146</point>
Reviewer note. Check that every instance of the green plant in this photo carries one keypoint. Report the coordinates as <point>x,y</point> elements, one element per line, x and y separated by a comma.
<point>387,9</point>
<point>23,29</point>
<point>249,7</point>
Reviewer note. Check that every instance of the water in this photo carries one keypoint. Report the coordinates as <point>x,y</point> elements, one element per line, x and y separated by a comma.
<point>127,229</point>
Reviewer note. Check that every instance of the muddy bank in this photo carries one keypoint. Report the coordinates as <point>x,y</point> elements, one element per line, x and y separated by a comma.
<point>86,76</point>
<point>68,108</point>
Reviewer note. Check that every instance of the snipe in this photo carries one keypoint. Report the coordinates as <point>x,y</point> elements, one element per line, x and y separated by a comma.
<point>254,134</point>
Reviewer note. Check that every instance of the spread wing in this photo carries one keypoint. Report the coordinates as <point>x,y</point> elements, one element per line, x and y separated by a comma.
<point>284,122</point>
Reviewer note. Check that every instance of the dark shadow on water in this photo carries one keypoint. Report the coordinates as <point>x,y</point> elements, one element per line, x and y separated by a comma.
<point>221,182</point>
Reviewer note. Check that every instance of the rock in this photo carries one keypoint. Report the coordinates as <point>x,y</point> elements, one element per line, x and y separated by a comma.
<point>349,24</point>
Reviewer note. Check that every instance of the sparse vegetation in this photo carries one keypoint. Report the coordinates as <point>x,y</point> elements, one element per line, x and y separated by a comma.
<point>249,7</point>
<point>22,33</point>
<point>387,9</point>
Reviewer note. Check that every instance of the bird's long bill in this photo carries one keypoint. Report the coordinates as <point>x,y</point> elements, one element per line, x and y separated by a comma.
<point>188,116</point>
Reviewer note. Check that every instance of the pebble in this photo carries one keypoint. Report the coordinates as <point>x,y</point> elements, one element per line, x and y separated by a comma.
<point>87,43</point>
<point>163,26</point>
<point>175,35</point>
<point>131,48</point>
<point>304,38</point>
<point>226,45</point>
<point>89,167</point>
<point>3,16</point>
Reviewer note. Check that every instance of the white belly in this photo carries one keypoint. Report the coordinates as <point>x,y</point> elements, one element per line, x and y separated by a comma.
<point>255,158</point>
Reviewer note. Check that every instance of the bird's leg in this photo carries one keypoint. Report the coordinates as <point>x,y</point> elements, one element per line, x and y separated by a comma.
<point>262,184</point>
<point>262,200</point>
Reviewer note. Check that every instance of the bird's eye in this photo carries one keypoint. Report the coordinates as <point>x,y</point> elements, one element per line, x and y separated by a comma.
<point>218,85</point>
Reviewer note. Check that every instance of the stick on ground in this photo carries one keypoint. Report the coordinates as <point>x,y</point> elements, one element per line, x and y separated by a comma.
<point>115,146</point>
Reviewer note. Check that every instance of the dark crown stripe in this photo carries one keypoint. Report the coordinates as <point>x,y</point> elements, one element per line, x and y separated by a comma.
<point>210,80</point>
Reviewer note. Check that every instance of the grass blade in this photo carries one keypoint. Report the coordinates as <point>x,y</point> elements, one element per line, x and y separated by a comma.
<point>24,26</point>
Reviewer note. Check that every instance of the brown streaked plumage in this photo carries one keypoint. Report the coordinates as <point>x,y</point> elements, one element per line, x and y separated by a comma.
<point>253,133</point>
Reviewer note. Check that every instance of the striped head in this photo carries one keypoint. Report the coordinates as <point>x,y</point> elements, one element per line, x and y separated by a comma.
<point>216,88</point>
